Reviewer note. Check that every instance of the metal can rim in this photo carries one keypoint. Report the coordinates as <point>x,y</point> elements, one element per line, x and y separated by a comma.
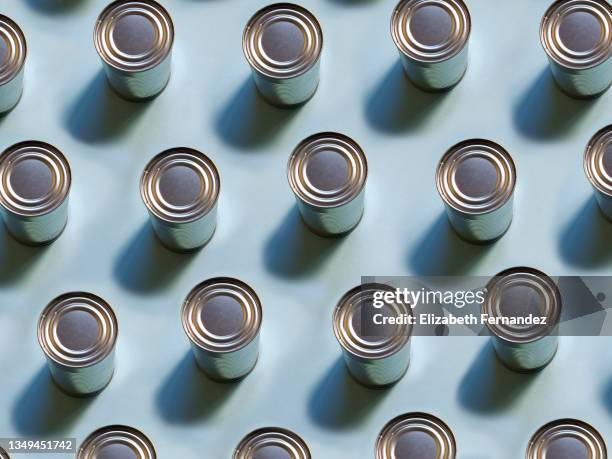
<point>274,436</point>
<point>253,54</point>
<point>11,69</point>
<point>586,432</point>
<point>593,157</point>
<point>134,438</point>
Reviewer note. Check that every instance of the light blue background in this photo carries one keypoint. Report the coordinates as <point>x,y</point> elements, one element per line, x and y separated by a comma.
<point>299,382</point>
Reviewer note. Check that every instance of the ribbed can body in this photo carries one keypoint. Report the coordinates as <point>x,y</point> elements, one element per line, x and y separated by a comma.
<point>10,92</point>
<point>605,203</point>
<point>186,236</point>
<point>287,92</point>
<point>526,357</point>
<point>140,85</point>
<point>583,83</point>
<point>228,366</point>
<point>333,221</point>
<point>39,229</point>
<point>379,372</point>
<point>482,227</point>
<point>436,76</point>
<point>82,381</point>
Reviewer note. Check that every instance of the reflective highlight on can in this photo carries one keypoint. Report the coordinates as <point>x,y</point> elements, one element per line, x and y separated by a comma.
<point>327,173</point>
<point>598,168</point>
<point>134,39</point>
<point>13,51</point>
<point>518,293</point>
<point>432,38</point>
<point>283,43</point>
<point>180,188</point>
<point>272,443</point>
<point>117,442</point>
<point>476,180</point>
<point>416,436</point>
<point>77,331</point>
<point>35,181</point>
<point>375,354</point>
<point>567,438</point>
<point>222,318</point>
<point>577,37</point>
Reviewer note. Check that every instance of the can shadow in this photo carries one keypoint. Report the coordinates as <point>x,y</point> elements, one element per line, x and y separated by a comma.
<point>293,250</point>
<point>248,121</point>
<point>441,252</point>
<point>339,402</point>
<point>586,241</point>
<point>189,396</point>
<point>16,259</point>
<point>56,6</point>
<point>42,409</point>
<point>545,112</point>
<point>99,114</point>
<point>395,105</point>
<point>489,387</point>
<point>146,266</point>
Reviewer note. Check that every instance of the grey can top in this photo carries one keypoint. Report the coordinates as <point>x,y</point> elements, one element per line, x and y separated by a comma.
<point>272,443</point>
<point>282,41</point>
<point>35,178</point>
<point>577,34</point>
<point>117,442</point>
<point>3,454</point>
<point>431,30</point>
<point>567,439</point>
<point>134,35</point>
<point>13,49</point>
<point>598,160</point>
<point>416,436</point>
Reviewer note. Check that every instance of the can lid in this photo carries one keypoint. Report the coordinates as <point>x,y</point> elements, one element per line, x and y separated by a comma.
<point>13,49</point>
<point>416,436</point>
<point>272,443</point>
<point>180,185</point>
<point>476,176</point>
<point>77,329</point>
<point>134,35</point>
<point>598,160</point>
<point>368,340</point>
<point>222,315</point>
<point>282,40</point>
<point>577,34</point>
<point>35,178</point>
<point>567,438</point>
<point>3,454</point>
<point>117,442</point>
<point>430,30</point>
<point>327,170</point>
<point>517,293</point>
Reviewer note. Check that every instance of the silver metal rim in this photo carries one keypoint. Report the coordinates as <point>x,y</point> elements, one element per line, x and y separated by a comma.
<point>16,41</point>
<point>117,434</point>
<point>272,436</point>
<point>549,33</point>
<point>497,155</point>
<point>563,428</point>
<point>593,160</point>
<point>196,330</point>
<point>58,164</point>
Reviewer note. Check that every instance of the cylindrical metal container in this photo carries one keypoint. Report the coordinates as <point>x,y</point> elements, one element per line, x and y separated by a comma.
<point>577,37</point>
<point>35,180</point>
<point>134,40</point>
<point>4,454</point>
<point>376,352</point>
<point>180,188</point>
<point>77,332</point>
<point>432,38</point>
<point>516,294</point>
<point>272,443</point>
<point>416,436</point>
<point>222,318</point>
<point>283,43</point>
<point>13,51</point>
<point>327,173</point>
<point>598,168</point>
<point>567,438</point>
<point>117,442</point>
<point>476,180</point>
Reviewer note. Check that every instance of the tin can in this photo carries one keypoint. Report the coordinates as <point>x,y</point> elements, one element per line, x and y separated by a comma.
<point>12,62</point>
<point>516,294</point>
<point>77,332</point>
<point>376,354</point>
<point>117,442</point>
<point>4,454</point>
<point>222,318</point>
<point>577,37</point>
<point>272,443</point>
<point>180,188</point>
<point>476,180</point>
<point>282,43</point>
<point>569,438</point>
<point>432,37</point>
<point>35,181</point>
<point>327,173</point>
<point>598,168</point>
<point>134,39</point>
<point>416,436</point>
